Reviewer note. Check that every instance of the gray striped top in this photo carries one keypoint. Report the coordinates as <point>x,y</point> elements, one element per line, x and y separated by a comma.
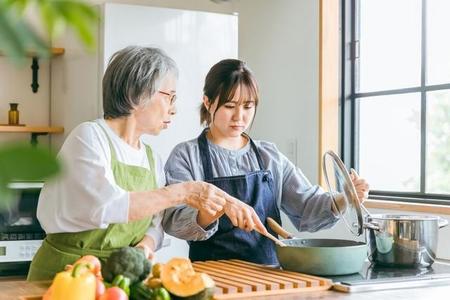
<point>307,206</point>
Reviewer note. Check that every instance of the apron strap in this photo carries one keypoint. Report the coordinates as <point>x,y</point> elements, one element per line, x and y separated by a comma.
<point>257,153</point>
<point>151,161</point>
<point>148,151</point>
<point>206,156</point>
<point>111,147</point>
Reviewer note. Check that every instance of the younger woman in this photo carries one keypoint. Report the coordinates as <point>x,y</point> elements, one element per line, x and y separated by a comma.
<point>255,172</point>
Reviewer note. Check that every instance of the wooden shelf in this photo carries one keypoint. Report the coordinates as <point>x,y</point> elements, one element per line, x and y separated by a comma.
<point>31,129</point>
<point>58,51</point>
<point>54,50</point>
<point>34,130</point>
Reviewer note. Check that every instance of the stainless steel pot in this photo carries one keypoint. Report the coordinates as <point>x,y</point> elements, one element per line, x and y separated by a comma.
<point>403,240</point>
<point>393,240</point>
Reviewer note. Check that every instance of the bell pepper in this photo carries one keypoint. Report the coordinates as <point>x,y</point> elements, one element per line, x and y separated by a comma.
<point>78,283</point>
<point>160,294</point>
<point>123,283</point>
<point>48,294</point>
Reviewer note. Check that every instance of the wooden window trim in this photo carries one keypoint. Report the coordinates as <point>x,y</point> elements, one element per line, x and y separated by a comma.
<point>328,79</point>
<point>408,206</point>
<point>329,50</point>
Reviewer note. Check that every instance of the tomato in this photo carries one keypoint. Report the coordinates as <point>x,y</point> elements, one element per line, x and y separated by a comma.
<point>114,293</point>
<point>93,262</point>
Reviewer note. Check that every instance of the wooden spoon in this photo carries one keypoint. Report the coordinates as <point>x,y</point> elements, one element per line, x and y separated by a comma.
<point>274,239</point>
<point>278,229</point>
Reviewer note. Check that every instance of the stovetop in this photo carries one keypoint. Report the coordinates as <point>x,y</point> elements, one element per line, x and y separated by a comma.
<point>375,277</point>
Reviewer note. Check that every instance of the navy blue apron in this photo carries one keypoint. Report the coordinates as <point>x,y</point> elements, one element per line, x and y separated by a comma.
<point>230,242</point>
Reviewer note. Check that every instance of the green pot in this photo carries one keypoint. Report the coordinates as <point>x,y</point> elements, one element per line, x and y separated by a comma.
<point>324,257</point>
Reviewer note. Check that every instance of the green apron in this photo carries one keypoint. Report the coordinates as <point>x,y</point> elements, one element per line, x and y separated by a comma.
<point>60,249</point>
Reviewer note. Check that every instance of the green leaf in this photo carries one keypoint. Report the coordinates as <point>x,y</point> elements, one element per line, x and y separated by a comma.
<point>16,37</point>
<point>49,17</point>
<point>22,162</point>
<point>7,197</point>
<point>19,5</point>
<point>81,17</point>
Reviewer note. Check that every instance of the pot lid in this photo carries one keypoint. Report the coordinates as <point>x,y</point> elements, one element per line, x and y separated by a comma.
<point>343,191</point>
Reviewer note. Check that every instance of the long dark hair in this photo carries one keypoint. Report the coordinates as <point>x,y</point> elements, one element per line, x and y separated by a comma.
<point>221,84</point>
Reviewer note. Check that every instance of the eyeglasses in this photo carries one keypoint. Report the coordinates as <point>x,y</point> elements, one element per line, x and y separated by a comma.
<point>172,97</point>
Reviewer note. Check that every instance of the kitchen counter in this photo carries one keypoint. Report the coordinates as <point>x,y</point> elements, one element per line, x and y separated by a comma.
<point>14,289</point>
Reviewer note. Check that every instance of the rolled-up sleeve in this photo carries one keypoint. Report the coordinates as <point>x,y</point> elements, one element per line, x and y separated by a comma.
<point>307,206</point>
<point>181,221</point>
<point>156,232</point>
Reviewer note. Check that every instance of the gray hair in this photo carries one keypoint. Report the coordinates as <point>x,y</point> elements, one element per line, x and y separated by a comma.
<point>133,73</point>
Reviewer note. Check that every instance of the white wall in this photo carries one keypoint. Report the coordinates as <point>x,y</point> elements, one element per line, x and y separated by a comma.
<point>279,41</point>
<point>76,82</point>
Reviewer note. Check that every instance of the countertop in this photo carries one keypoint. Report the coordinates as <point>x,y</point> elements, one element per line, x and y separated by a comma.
<point>13,289</point>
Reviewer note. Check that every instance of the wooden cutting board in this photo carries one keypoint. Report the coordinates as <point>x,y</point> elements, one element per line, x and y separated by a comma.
<point>236,279</point>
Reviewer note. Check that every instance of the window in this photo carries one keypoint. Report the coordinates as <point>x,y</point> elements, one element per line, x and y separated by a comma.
<point>395,101</point>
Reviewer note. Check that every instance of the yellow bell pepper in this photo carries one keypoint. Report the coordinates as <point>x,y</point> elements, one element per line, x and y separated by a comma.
<point>76,284</point>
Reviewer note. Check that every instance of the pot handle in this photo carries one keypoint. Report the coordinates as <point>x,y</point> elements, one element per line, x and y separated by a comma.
<point>373,226</point>
<point>442,222</point>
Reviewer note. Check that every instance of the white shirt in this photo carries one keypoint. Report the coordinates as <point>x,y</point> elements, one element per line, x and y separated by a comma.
<point>85,196</point>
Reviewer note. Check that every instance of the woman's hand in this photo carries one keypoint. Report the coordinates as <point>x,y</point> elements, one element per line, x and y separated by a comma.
<point>200,195</point>
<point>243,215</point>
<point>361,186</point>
<point>203,196</point>
<point>148,246</point>
<point>212,203</point>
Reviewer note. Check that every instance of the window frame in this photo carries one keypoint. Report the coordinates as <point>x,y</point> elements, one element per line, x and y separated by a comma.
<point>349,108</point>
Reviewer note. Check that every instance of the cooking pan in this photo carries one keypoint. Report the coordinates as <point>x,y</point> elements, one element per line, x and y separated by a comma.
<point>319,256</point>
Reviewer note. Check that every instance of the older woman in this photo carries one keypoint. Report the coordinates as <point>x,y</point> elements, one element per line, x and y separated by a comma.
<point>111,194</point>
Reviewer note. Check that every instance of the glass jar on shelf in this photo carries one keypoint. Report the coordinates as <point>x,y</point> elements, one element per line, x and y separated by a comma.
<point>13,114</point>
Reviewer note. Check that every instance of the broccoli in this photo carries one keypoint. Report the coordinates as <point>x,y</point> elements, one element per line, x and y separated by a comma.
<point>129,262</point>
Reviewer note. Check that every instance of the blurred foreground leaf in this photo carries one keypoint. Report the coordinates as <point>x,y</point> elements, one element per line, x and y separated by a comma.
<point>18,37</point>
<point>21,162</point>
